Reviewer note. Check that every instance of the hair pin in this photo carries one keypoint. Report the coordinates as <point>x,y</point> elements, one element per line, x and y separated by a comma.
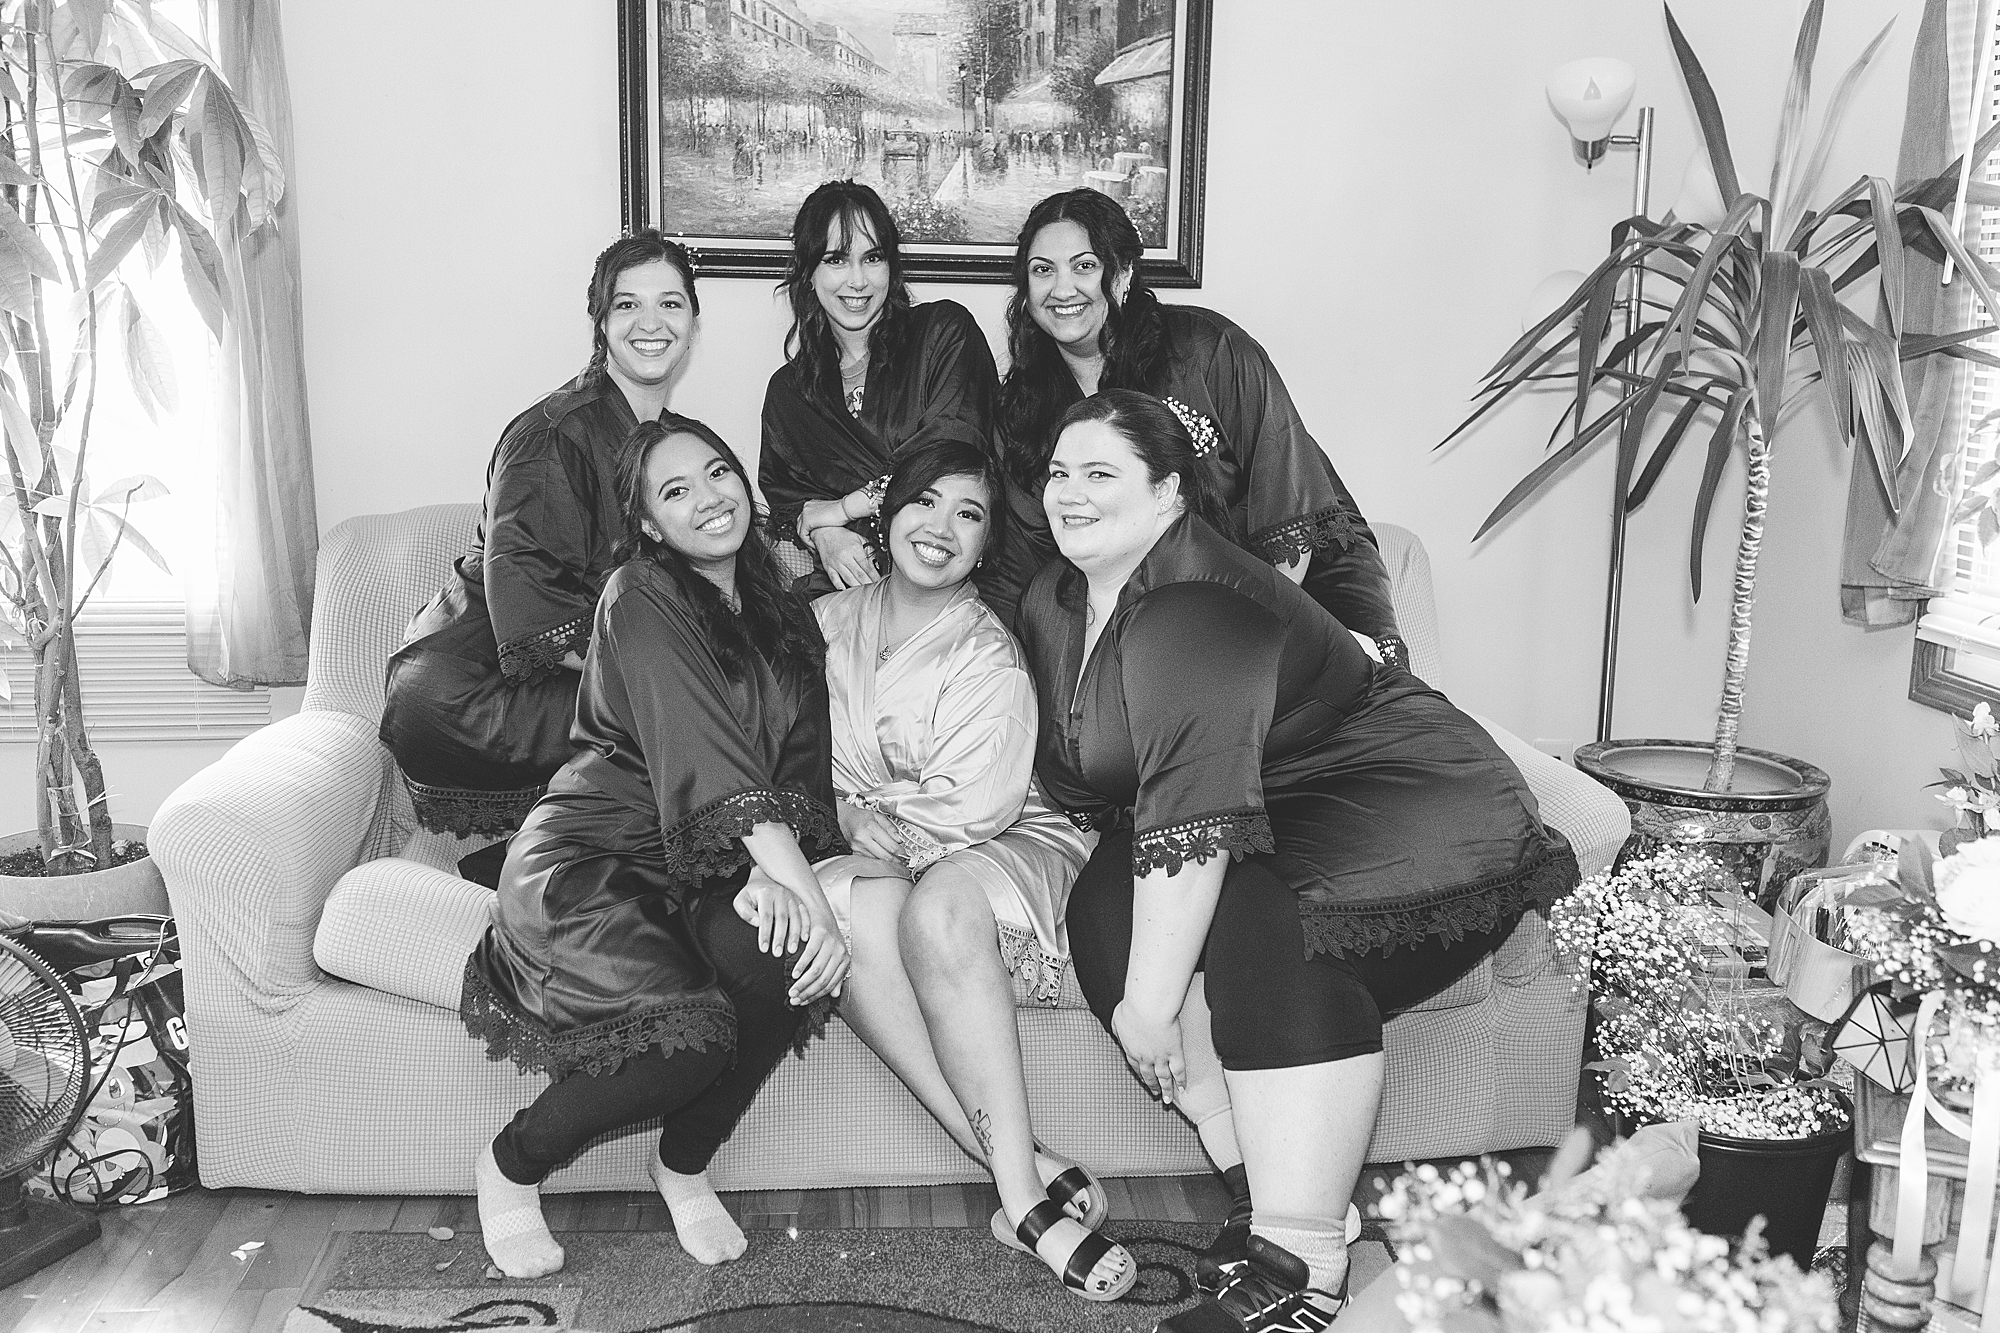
<point>1199,428</point>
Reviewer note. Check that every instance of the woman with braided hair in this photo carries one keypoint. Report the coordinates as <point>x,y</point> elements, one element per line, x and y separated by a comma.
<point>481,694</point>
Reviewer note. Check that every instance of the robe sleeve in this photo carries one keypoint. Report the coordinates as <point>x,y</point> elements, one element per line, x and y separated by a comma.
<point>786,487</point>
<point>713,779</point>
<point>1199,666</point>
<point>960,384</point>
<point>535,557</point>
<point>1297,504</point>
<point>975,779</point>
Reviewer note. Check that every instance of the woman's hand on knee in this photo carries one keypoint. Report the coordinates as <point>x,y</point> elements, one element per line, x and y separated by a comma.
<point>871,833</point>
<point>822,964</point>
<point>1152,1046</point>
<point>780,918</point>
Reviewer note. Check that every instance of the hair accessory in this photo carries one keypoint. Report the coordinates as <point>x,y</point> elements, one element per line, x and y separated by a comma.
<point>1199,428</point>
<point>695,257</point>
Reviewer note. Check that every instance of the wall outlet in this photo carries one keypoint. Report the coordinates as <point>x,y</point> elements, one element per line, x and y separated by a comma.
<point>1560,750</point>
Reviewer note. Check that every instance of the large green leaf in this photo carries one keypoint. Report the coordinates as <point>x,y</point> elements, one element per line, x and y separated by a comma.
<point>115,197</point>
<point>1803,189</point>
<point>1798,96</point>
<point>1614,262</point>
<point>89,15</point>
<point>1889,241</point>
<point>90,91</point>
<point>1554,463</point>
<point>1822,310</point>
<point>171,84</point>
<point>201,265</point>
<point>117,243</point>
<point>1719,446</point>
<point>1496,394</point>
<point>1774,336</point>
<point>224,140</point>
<point>23,258</point>
<point>1708,111</point>
<point>1726,238</point>
<point>149,363</point>
<point>1676,430</point>
<point>1589,331</point>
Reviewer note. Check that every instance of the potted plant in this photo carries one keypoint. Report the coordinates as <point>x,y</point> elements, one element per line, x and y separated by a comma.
<point>120,144</point>
<point>1741,316</point>
<point>1676,1043</point>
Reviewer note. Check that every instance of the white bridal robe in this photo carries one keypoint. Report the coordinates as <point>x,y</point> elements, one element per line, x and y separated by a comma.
<point>939,735</point>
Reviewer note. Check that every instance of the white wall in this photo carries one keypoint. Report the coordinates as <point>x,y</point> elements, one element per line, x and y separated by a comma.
<point>1386,186</point>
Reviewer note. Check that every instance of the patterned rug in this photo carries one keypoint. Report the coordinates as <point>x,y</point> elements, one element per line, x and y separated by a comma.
<point>883,1280</point>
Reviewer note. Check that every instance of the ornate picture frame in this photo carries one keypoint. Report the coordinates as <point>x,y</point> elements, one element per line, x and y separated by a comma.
<point>961,113</point>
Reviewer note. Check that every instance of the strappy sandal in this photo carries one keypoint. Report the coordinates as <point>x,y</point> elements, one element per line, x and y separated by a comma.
<point>1078,1179</point>
<point>1082,1260</point>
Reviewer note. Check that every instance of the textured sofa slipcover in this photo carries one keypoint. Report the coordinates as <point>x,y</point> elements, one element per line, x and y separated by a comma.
<point>324,937</point>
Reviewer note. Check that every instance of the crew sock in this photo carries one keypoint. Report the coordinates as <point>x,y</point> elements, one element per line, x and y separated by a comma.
<point>706,1230</point>
<point>1321,1245</point>
<point>511,1223</point>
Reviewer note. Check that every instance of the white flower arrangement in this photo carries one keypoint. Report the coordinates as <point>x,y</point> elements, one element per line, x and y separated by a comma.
<point>1974,791</point>
<point>1938,929</point>
<point>1478,1254</point>
<point>1672,1049</point>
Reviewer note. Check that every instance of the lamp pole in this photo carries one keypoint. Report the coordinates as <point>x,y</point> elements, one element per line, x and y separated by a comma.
<point>1634,302</point>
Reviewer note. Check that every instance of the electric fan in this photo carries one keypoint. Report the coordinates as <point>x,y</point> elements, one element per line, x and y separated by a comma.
<point>44,1081</point>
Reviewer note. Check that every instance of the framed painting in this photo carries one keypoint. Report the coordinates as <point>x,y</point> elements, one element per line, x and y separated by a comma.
<point>960,113</point>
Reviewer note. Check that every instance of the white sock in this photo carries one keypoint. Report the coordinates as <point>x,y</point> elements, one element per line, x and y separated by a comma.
<point>706,1230</point>
<point>510,1222</point>
<point>1321,1245</point>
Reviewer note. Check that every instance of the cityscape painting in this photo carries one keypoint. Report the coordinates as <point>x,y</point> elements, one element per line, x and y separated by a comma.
<point>960,113</point>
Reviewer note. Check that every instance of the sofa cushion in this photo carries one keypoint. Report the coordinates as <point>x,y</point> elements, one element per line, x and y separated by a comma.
<point>402,927</point>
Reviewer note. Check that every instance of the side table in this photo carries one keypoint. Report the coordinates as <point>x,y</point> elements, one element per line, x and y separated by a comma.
<point>1888,1303</point>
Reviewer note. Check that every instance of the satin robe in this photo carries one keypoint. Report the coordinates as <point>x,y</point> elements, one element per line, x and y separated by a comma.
<point>940,737</point>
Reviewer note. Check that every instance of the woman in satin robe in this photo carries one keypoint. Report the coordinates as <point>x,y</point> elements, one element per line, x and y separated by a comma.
<point>869,375</point>
<point>961,870</point>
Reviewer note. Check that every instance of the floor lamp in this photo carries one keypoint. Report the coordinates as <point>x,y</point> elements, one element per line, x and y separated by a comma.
<point>1589,96</point>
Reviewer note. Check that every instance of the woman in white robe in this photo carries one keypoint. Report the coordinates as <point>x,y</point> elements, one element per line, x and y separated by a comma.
<point>960,869</point>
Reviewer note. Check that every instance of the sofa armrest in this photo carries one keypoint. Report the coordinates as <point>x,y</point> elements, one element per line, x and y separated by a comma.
<point>1594,820</point>
<point>251,846</point>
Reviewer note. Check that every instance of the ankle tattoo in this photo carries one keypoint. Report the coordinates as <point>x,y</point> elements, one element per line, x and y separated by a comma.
<point>982,1130</point>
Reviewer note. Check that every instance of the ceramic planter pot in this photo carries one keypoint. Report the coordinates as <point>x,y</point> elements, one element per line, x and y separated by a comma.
<point>1786,1181</point>
<point>128,890</point>
<point>1772,824</point>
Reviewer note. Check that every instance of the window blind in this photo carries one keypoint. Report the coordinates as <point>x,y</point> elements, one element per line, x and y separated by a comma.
<point>132,657</point>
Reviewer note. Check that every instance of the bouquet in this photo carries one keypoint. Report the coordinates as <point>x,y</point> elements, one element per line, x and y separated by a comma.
<point>1675,1042</point>
<point>1477,1253</point>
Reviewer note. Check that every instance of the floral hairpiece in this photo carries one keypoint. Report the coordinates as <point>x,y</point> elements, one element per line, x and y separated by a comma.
<point>1199,428</point>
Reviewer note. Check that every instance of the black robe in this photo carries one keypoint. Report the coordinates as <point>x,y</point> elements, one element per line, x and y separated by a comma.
<point>1283,495</point>
<point>479,704</point>
<point>1223,710</point>
<point>942,387</point>
<point>591,957</point>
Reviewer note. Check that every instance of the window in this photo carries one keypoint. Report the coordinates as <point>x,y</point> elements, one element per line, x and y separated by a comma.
<point>1957,660</point>
<point>131,639</point>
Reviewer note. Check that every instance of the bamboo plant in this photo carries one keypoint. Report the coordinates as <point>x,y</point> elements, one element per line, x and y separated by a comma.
<point>120,144</point>
<point>1753,316</point>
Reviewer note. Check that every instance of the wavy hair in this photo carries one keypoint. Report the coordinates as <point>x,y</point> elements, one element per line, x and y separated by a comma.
<point>773,623</point>
<point>646,246</point>
<point>1160,439</point>
<point>840,210</point>
<point>924,466</point>
<point>1134,340</point>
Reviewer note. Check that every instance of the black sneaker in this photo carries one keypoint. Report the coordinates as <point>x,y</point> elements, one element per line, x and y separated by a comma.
<point>1266,1293</point>
<point>1226,1252</point>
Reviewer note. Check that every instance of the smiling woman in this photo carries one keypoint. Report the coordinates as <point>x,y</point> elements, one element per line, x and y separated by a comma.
<point>481,693</point>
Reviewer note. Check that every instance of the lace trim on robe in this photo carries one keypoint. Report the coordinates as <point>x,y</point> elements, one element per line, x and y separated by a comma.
<point>1095,821</point>
<point>708,842</point>
<point>1024,958</point>
<point>1395,653</point>
<point>1335,526</point>
<point>922,850</point>
<point>534,656</point>
<point>1451,914</point>
<point>1195,840</point>
<point>469,812</point>
<point>599,1048</point>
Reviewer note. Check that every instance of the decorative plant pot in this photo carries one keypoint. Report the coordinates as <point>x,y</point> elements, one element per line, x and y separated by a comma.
<point>1785,1181</point>
<point>135,888</point>
<point>1770,825</point>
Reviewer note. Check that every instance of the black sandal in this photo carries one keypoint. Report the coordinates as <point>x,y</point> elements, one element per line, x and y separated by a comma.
<point>1077,1179</point>
<point>1076,1269</point>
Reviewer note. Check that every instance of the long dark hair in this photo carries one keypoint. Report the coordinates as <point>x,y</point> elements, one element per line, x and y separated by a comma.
<point>645,246</point>
<point>1134,340</point>
<point>773,623</point>
<point>924,466</point>
<point>843,210</point>
<point>1157,434</point>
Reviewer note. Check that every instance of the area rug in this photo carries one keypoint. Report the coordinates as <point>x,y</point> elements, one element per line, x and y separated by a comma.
<point>883,1280</point>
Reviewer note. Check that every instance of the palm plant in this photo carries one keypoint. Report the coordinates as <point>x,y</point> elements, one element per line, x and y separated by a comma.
<point>117,135</point>
<point>1753,318</point>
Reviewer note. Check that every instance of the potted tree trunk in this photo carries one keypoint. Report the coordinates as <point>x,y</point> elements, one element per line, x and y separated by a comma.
<point>120,145</point>
<point>1752,317</point>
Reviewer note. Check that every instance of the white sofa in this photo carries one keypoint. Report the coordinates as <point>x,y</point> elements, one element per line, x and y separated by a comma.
<point>325,936</point>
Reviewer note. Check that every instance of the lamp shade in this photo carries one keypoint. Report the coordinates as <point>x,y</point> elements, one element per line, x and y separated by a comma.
<point>1700,198</point>
<point>1589,95</point>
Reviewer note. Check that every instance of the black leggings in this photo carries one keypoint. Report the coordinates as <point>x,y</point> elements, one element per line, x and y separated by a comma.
<point>700,1093</point>
<point>1273,1007</point>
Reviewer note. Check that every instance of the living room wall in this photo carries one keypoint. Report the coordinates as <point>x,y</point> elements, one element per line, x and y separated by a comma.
<point>1386,187</point>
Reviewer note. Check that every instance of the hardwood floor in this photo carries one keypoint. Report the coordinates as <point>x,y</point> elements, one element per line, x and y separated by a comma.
<point>235,1261</point>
